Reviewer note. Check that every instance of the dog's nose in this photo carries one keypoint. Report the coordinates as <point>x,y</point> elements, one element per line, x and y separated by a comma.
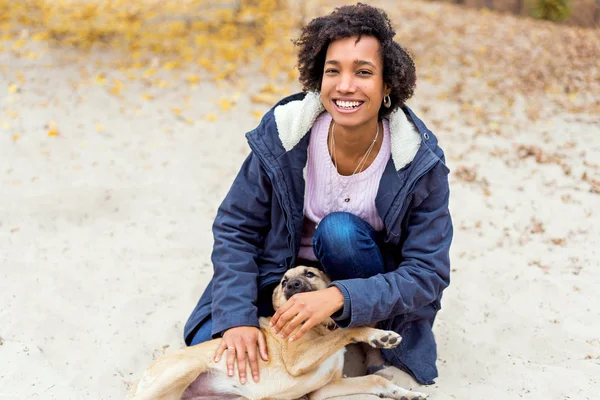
<point>294,283</point>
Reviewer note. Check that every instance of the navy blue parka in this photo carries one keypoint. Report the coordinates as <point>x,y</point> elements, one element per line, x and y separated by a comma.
<point>258,227</point>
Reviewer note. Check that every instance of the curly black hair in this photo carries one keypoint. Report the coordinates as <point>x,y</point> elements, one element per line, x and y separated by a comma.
<point>358,20</point>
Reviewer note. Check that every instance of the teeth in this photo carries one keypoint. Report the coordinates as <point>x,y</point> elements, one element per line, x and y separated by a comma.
<point>347,104</point>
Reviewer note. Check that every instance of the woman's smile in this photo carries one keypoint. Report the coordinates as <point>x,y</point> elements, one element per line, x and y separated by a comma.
<point>347,106</point>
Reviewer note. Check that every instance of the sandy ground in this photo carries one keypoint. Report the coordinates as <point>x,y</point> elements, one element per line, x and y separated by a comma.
<point>105,236</point>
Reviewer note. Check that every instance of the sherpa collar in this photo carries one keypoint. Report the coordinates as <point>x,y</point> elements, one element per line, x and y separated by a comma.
<point>294,120</point>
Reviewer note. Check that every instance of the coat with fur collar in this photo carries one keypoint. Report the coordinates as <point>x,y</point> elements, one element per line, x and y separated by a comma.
<point>258,228</point>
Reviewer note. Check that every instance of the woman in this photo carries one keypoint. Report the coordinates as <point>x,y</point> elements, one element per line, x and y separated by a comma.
<point>344,177</point>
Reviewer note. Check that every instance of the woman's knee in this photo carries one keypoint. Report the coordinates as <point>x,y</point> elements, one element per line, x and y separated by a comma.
<point>339,231</point>
<point>346,246</point>
<point>335,233</point>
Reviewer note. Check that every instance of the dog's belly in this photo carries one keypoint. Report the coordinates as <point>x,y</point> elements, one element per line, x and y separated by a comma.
<point>273,383</point>
<point>205,388</point>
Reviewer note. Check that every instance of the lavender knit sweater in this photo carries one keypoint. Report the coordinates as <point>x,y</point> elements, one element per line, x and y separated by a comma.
<point>327,191</point>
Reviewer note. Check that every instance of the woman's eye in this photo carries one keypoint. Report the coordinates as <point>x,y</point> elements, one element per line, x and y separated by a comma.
<point>310,275</point>
<point>330,71</point>
<point>363,72</point>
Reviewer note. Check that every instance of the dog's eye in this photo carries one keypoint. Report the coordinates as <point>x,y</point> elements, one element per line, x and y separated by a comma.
<point>284,282</point>
<point>310,275</point>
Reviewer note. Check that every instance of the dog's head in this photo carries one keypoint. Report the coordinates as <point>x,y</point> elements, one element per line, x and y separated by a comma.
<point>298,280</point>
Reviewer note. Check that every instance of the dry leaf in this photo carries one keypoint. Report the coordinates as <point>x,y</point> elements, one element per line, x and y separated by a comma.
<point>536,226</point>
<point>264,98</point>
<point>465,174</point>
<point>225,104</point>
<point>193,79</point>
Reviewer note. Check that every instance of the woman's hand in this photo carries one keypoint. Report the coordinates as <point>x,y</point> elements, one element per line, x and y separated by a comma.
<point>307,309</point>
<point>242,341</point>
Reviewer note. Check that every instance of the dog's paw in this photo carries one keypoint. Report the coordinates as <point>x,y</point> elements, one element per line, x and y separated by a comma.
<point>384,340</point>
<point>416,396</point>
<point>402,394</point>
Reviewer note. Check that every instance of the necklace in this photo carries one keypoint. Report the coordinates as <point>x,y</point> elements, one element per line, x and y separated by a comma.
<point>359,166</point>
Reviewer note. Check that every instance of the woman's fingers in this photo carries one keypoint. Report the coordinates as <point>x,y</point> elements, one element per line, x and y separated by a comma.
<point>293,324</point>
<point>243,342</point>
<point>285,318</point>
<point>262,346</point>
<point>240,348</point>
<point>308,324</point>
<point>280,311</point>
<point>219,352</point>
<point>253,360</point>
<point>230,359</point>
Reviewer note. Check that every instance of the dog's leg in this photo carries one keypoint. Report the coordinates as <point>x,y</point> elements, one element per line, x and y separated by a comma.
<point>370,384</point>
<point>309,354</point>
<point>169,376</point>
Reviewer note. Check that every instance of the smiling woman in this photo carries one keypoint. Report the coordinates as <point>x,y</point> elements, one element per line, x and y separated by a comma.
<point>343,177</point>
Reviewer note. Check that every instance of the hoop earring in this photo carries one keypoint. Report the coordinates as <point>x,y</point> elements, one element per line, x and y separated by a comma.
<point>387,101</point>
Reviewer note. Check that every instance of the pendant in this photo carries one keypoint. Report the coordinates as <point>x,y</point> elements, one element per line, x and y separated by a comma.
<point>347,200</point>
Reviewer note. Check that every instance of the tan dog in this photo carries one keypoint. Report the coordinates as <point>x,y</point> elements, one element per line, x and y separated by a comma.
<point>310,365</point>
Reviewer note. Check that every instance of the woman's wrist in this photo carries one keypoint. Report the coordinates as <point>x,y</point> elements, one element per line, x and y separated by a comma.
<point>337,298</point>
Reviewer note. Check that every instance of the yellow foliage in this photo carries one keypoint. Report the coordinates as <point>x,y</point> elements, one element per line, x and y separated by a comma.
<point>264,98</point>
<point>220,38</point>
<point>193,79</point>
<point>116,88</point>
<point>101,79</point>
<point>225,104</point>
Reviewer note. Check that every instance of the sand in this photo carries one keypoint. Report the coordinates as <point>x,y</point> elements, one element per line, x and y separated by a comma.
<point>105,236</point>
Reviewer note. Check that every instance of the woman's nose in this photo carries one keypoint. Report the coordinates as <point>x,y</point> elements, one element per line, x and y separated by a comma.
<point>346,84</point>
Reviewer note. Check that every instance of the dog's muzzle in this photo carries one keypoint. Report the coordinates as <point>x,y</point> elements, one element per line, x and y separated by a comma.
<point>297,285</point>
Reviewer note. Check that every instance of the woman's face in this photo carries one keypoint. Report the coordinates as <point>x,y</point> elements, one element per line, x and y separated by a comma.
<point>352,88</point>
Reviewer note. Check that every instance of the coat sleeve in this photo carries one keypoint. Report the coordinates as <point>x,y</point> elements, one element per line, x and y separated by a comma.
<point>239,229</point>
<point>420,277</point>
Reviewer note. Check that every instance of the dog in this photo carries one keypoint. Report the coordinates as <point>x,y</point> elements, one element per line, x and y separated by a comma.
<point>311,365</point>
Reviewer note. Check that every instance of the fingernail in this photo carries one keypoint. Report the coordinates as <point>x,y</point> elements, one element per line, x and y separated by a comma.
<point>242,380</point>
<point>216,359</point>
<point>255,378</point>
<point>291,339</point>
<point>230,372</point>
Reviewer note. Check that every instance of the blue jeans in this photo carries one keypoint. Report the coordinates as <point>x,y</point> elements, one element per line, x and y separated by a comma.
<point>346,246</point>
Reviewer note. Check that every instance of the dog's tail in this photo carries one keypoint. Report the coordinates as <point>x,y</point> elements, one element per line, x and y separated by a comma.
<point>169,376</point>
